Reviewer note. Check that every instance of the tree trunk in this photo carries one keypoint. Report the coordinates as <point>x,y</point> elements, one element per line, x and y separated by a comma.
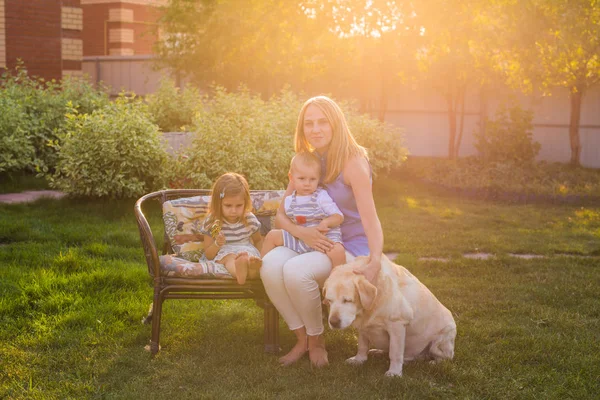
<point>576,96</point>
<point>483,114</point>
<point>383,93</point>
<point>451,124</point>
<point>461,99</point>
<point>383,100</point>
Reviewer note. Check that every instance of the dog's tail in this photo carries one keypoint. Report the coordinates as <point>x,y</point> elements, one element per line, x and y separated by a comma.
<point>442,347</point>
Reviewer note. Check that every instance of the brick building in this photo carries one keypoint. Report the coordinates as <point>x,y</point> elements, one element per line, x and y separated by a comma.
<point>45,34</point>
<point>119,27</point>
<point>51,37</point>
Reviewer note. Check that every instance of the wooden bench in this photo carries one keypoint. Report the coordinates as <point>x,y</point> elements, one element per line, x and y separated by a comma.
<point>199,280</point>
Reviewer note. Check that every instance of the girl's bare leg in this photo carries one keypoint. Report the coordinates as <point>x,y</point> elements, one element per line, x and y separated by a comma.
<point>241,268</point>
<point>298,350</point>
<point>237,266</point>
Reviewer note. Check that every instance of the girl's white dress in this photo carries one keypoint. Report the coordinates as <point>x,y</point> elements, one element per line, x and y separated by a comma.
<point>237,236</point>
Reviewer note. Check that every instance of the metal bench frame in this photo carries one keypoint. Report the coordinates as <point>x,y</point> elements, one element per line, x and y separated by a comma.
<point>194,288</point>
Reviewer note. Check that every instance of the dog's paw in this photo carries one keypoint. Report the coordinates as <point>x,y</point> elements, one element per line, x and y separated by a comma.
<point>377,353</point>
<point>356,360</point>
<point>393,373</point>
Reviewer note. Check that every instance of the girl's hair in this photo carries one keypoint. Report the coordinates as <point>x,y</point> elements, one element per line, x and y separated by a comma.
<point>343,146</point>
<point>229,184</point>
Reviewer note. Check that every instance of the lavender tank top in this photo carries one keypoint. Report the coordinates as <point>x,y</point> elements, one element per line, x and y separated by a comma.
<point>353,233</point>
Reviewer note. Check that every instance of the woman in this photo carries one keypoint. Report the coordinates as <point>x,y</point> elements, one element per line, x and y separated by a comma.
<point>292,281</point>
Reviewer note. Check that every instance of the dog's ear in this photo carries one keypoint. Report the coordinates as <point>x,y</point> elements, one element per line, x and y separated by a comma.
<point>366,291</point>
<point>324,293</point>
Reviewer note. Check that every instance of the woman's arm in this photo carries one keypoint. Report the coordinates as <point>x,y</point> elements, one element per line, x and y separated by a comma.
<point>311,236</point>
<point>358,175</point>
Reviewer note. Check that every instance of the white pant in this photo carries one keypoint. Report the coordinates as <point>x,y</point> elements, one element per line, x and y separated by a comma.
<point>292,282</point>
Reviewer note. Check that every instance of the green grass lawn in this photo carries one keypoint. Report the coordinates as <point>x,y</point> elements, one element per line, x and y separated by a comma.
<point>74,288</point>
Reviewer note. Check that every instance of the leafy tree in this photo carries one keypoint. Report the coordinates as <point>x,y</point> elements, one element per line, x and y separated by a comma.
<point>263,44</point>
<point>447,58</point>
<point>381,37</point>
<point>555,44</point>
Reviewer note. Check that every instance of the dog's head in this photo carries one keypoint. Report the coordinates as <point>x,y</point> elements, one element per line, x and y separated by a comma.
<point>347,295</point>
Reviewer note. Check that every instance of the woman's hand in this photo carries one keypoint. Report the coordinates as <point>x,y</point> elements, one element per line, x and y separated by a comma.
<point>315,238</point>
<point>370,270</point>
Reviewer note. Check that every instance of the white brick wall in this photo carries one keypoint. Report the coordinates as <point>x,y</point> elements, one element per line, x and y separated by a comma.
<point>72,18</point>
<point>2,36</point>
<point>121,52</point>
<point>72,49</point>
<point>120,35</point>
<point>120,14</point>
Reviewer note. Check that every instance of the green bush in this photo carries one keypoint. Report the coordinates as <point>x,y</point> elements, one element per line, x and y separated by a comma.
<point>45,104</point>
<point>383,141</point>
<point>508,137</point>
<point>173,109</point>
<point>241,132</point>
<point>16,150</point>
<point>115,151</point>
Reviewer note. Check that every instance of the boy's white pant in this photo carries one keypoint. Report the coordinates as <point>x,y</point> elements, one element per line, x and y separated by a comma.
<point>293,284</point>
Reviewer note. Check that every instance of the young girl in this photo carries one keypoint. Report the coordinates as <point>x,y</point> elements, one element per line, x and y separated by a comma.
<point>231,231</point>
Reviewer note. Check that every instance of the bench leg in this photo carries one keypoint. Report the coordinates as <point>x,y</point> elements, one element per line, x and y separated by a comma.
<point>271,328</point>
<point>156,316</point>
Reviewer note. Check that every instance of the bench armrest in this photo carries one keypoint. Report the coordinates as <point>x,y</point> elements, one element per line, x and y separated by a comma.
<point>146,235</point>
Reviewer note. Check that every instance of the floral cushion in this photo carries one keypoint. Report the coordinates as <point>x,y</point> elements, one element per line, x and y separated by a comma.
<point>183,219</point>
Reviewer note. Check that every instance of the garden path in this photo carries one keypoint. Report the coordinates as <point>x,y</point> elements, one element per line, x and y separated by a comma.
<point>28,196</point>
<point>487,256</point>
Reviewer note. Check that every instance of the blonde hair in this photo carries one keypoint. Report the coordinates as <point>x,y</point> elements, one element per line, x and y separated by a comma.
<point>343,146</point>
<point>307,158</point>
<point>228,184</point>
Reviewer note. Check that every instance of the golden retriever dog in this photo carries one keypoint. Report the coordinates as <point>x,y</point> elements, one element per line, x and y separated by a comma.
<point>398,315</point>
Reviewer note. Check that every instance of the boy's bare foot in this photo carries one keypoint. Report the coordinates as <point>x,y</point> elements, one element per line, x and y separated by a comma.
<point>317,352</point>
<point>294,355</point>
<point>241,268</point>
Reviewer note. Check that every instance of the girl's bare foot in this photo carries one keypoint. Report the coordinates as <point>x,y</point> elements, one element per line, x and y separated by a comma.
<point>254,262</point>
<point>317,352</point>
<point>241,268</point>
<point>295,354</point>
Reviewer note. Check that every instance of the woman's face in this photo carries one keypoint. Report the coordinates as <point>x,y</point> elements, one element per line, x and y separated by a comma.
<point>317,129</point>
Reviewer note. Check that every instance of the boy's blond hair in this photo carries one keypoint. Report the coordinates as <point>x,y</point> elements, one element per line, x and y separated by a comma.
<point>343,145</point>
<point>306,158</point>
